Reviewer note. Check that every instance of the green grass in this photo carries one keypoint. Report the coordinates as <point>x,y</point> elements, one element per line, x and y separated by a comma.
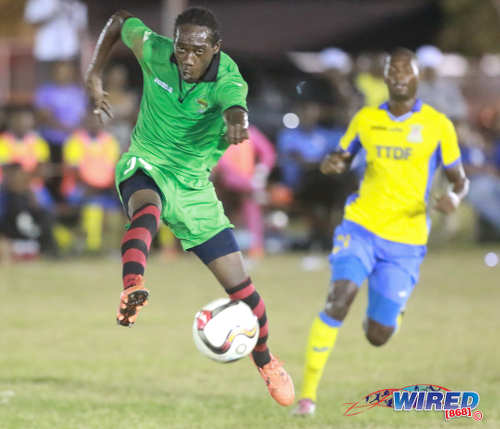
<point>70,367</point>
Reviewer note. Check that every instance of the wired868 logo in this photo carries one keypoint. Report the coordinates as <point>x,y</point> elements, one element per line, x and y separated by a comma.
<point>421,397</point>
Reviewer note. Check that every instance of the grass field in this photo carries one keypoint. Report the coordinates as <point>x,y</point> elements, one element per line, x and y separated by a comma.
<point>64,364</point>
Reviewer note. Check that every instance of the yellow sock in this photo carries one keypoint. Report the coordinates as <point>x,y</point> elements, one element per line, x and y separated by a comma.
<point>92,220</point>
<point>63,236</point>
<point>399,320</point>
<point>319,345</point>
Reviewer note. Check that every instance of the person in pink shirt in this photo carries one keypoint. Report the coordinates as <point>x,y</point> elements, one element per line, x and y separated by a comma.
<point>241,178</point>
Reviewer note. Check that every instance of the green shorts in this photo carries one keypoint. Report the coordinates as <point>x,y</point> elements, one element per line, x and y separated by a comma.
<point>192,211</point>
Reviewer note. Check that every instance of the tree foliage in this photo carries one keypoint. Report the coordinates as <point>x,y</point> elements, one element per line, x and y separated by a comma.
<point>471,27</point>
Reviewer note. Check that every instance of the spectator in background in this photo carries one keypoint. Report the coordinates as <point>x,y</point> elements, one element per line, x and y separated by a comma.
<point>21,145</point>
<point>442,94</point>
<point>302,148</point>
<point>241,178</point>
<point>26,225</point>
<point>300,151</point>
<point>125,102</point>
<point>26,219</point>
<point>345,99</point>
<point>60,29</point>
<point>61,105</point>
<point>90,156</point>
<point>481,158</point>
<point>370,79</point>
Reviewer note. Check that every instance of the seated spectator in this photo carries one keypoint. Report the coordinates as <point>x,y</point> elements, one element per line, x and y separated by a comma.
<point>27,226</point>
<point>241,178</point>
<point>90,155</point>
<point>20,144</point>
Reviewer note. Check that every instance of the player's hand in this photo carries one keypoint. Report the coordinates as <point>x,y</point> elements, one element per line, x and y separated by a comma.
<point>236,119</point>
<point>236,133</point>
<point>99,97</point>
<point>447,203</point>
<point>335,163</point>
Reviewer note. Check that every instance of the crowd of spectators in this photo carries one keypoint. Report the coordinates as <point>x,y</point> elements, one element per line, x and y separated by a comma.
<point>57,160</point>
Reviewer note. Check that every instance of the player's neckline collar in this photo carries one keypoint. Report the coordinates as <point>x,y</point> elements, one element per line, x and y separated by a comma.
<point>416,108</point>
<point>211,72</point>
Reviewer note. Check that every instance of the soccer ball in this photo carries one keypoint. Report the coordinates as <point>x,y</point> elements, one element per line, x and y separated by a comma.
<point>225,330</point>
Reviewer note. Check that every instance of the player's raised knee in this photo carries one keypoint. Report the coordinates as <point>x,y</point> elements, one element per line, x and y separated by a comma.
<point>377,334</point>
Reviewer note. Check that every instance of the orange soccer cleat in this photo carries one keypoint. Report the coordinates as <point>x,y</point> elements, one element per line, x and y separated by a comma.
<point>279,383</point>
<point>132,300</point>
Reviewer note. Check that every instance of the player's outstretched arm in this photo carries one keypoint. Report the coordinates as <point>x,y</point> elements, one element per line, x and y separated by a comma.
<point>450,201</point>
<point>93,78</point>
<point>335,163</point>
<point>237,124</point>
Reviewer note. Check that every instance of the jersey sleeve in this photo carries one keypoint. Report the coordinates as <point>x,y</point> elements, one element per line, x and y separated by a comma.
<point>231,91</point>
<point>135,35</point>
<point>350,141</point>
<point>450,152</point>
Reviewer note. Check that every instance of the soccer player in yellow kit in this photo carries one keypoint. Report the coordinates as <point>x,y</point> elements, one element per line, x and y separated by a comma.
<point>384,232</point>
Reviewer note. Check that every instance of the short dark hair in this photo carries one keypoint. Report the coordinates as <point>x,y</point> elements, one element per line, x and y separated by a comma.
<point>402,52</point>
<point>199,16</point>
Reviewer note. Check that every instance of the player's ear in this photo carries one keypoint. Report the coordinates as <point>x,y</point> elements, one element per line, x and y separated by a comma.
<point>217,46</point>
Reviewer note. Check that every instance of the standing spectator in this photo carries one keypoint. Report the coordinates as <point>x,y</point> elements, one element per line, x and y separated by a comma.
<point>370,79</point>
<point>60,29</point>
<point>241,175</point>
<point>61,106</point>
<point>442,94</point>
<point>125,102</point>
<point>345,99</point>
<point>300,151</point>
<point>302,148</point>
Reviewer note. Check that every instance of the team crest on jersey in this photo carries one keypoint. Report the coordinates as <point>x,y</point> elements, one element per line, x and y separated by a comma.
<point>415,134</point>
<point>203,105</point>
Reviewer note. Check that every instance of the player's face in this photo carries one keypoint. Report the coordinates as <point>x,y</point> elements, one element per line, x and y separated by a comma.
<point>401,77</point>
<point>194,50</point>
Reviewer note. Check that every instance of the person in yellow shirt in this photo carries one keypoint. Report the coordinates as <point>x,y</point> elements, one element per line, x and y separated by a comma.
<point>384,232</point>
<point>20,143</point>
<point>90,156</point>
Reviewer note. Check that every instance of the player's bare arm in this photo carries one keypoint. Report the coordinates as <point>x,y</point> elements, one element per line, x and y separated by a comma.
<point>450,201</point>
<point>93,78</point>
<point>336,163</point>
<point>237,125</point>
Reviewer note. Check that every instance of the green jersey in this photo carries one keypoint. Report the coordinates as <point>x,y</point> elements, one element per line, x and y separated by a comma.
<point>180,125</point>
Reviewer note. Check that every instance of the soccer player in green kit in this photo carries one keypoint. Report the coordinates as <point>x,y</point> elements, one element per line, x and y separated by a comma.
<point>193,106</point>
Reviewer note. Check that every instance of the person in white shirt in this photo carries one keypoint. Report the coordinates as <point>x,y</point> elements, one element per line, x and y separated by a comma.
<point>61,26</point>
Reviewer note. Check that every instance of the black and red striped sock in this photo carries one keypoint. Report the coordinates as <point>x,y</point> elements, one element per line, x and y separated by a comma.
<point>246,292</point>
<point>137,241</point>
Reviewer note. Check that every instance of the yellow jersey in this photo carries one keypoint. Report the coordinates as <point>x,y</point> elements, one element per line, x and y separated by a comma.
<point>402,155</point>
<point>94,157</point>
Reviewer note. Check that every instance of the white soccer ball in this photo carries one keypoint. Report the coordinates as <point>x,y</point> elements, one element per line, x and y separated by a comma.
<point>225,330</point>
